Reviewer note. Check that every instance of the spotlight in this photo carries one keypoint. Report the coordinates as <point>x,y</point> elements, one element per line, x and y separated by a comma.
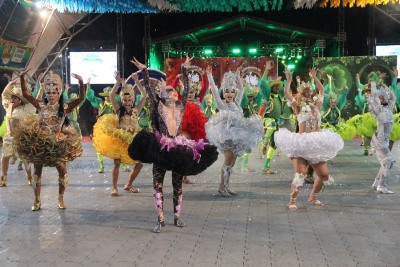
<point>236,50</point>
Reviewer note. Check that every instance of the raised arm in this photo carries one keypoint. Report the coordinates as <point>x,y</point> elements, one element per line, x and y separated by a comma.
<point>143,93</point>
<point>185,80</point>
<point>151,92</point>
<point>286,90</point>
<point>220,104</point>
<point>26,93</point>
<point>74,103</point>
<point>114,91</point>
<point>239,95</point>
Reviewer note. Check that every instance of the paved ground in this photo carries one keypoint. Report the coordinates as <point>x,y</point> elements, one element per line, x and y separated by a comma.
<point>356,227</point>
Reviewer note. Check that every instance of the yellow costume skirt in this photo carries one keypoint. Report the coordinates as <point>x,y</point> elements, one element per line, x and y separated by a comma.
<point>39,145</point>
<point>111,141</point>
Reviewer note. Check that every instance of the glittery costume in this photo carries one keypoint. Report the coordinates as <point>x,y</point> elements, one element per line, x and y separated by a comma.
<point>12,120</point>
<point>229,129</point>
<point>380,140</point>
<point>163,147</point>
<point>168,150</point>
<point>44,139</point>
<point>48,140</point>
<point>313,145</point>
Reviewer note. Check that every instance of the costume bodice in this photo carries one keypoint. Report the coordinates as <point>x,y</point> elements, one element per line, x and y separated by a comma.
<point>129,122</point>
<point>309,116</point>
<point>48,116</point>
<point>171,117</point>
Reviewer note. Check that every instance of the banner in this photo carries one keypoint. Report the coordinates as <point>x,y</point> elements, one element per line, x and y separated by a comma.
<point>14,56</point>
<point>345,69</point>
<point>253,68</point>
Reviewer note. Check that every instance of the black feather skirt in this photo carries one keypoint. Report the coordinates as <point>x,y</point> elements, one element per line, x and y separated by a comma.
<point>180,155</point>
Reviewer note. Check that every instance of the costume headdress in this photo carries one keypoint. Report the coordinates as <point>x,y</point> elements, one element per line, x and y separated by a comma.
<point>303,86</point>
<point>162,89</point>
<point>127,92</point>
<point>53,81</point>
<point>17,92</point>
<point>229,82</point>
<point>72,96</point>
<point>332,97</point>
<point>384,92</point>
<point>277,82</point>
<point>106,91</point>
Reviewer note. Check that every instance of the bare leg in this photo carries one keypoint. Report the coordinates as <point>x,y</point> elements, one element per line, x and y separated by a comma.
<point>62,185</point>
<point>4,171</point>
<point>321,170</point>
<point>115,175</point>
<point>300,169</point>
<point>128,186</point>
<point>36,185</point>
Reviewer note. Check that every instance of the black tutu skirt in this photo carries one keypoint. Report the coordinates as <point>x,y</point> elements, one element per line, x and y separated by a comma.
<point>180,155</point>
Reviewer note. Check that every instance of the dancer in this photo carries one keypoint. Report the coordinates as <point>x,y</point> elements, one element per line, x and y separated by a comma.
<point>49,139</point>
<point>166,148</point>
<point>381,103</point>
<point>16,107</point>
<point>112,133</point>
<point>271,111</point>
<point>228,129</point>
<point>309,145</point>
<point>74,114</point>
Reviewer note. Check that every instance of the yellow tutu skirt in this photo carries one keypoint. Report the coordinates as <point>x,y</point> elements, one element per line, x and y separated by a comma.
<point>111,141</point>
<point>39,145</point>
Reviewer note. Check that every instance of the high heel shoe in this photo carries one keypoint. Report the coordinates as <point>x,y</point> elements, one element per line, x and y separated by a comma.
<point>159,227</point>
<point>36,204</point>
<point>60,202</point>
<point>178,222</point>
<point>313,199</point>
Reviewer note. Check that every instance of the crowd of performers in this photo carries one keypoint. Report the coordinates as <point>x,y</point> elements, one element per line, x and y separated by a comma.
<point>182,127</point>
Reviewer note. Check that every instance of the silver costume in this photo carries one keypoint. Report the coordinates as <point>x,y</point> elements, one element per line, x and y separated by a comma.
<point>381,103</point>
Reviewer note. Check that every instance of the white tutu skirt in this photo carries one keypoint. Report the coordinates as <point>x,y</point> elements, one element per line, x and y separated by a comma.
<point>230,130</point>
<point>315,147</point>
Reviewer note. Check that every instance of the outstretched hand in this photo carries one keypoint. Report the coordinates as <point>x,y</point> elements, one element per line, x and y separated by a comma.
<point>78,77</point>
<point>187,61</point>
<point>209,69</point>
<point>139,65</point>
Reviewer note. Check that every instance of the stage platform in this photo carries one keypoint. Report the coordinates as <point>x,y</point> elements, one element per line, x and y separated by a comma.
<point>356,227</point>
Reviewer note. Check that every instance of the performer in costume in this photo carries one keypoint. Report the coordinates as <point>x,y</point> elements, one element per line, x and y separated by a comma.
<point>331,118</point>
<point>228,129</point>
<point>113,133</point>
<point>104,107</point>
<point>309,145</point>
<point>208,106</point>
<point>48,139</point>
<point>271,112</point>
<point>193,119</point>
<point>145,116</point>
<point>166,148</point>
<point>381,103</point>
<point>250,105</point>
<point>16,107</point>
<point>74,114</point>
